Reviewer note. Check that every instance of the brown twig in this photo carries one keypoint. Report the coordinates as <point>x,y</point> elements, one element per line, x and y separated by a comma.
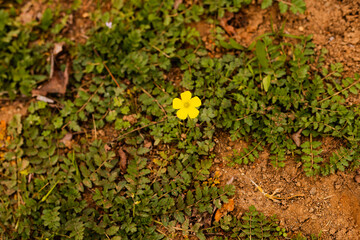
<point>337,93</point>
<point>83,106</point>
<point>157,102</point>
<point>3,227</point>
<point>273,197</point>
<point>159,50</point>
<point>112,76</point>
<point>139,128</point>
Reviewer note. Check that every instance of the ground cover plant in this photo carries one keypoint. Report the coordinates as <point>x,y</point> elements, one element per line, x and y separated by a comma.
<point>114,157</point>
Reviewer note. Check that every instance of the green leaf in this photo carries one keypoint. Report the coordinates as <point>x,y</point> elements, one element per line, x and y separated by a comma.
<point>46,19</point>
<point>190,198</point>
<point>261,54</point>
<point>283,7</point>
<point>111,116</point>
<point>297,6</point>
<point>201,235</point>
<point>266,82</point>
<point>112,230</point>
<point>266,4</point>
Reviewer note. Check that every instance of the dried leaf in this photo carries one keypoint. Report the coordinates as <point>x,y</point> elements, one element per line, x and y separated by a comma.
<point>296,138</point>
<point>147,144</point>
<point>107,147</point>
<point>30,11</point>
<point>225,208</point>
<point>131,118</point>
<point>58,47</point>
<point>57,83</point>
<point>228,206</point>
<point>66,140</point>
<point>218,215</point>
<point>123,160</point>
<point>2,130</point>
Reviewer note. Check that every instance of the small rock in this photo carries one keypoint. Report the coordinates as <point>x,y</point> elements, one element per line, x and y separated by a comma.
<point>301,28</point>
<point>313,191</point>
<point>282,222</point>
<point>311,210</point>
<point>313,217</point>
<point>357,178</point>
<point>298,184</point>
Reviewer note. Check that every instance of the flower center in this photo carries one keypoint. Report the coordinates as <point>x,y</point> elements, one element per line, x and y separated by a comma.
<point>186,104</point>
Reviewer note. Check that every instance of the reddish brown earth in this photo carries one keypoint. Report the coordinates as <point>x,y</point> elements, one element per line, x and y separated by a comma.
<point>330,205</point>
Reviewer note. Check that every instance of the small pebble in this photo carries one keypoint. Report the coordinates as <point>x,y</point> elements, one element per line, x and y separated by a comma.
<point>298,184</point>
<point>301,28</point>
<point>313,191</point>
<point>311,210</point>
<point>357,178</point>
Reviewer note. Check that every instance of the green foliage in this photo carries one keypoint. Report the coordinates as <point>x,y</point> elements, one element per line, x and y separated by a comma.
<point>311,158</point>
<point>17,58</point>
<point>86,188</point>
<point>296,6</point>
<point>252,225</point>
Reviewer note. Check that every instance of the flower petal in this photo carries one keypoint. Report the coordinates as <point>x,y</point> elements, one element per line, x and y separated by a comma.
<point>193,112</point>
<point>182,113</point>
<point>177,103</point>
<point>185,96</point>
<point>195,102</point>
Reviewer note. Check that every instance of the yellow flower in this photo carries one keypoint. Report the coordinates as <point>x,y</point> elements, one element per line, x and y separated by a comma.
<point>186,105</point>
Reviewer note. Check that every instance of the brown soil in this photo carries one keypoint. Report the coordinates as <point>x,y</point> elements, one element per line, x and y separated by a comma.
<point>334,24</point>
<point>330,205</point>
<point>7,111</point>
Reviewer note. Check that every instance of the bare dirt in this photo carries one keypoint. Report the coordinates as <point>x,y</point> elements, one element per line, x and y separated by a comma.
<point>8,111</point>
<point>330,205</point>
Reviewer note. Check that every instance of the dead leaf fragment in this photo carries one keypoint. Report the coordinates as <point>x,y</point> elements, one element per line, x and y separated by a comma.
<point>107,147</point>
<point>58,47</point>
<point>130,118</point>
<point>296,138</point>
<point>57,83</point>
<point>2,130</point>
<point>225,208</point>
<point>66,140</point>
<point>123,160</point>
<point>218,215</point>
<point>229,206</point>
<point>147,144</point>
<point>30,11</point>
